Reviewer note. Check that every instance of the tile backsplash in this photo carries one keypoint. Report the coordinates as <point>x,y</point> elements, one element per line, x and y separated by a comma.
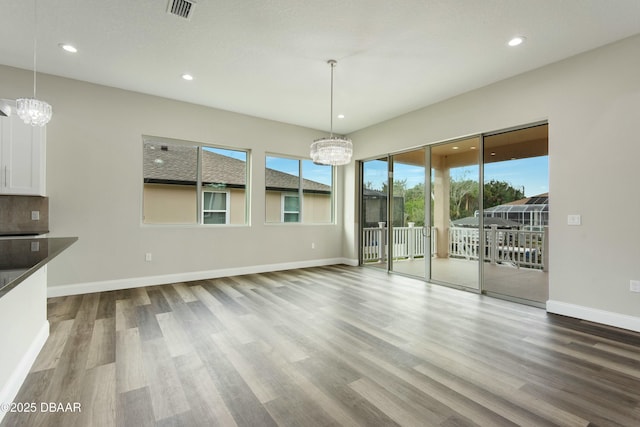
<point>24,215</point>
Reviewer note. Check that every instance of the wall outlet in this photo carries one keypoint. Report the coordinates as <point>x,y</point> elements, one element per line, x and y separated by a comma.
<point>35,215</point>
<point>313,245</point>
<point>148,257</point>
<point>634,285</point>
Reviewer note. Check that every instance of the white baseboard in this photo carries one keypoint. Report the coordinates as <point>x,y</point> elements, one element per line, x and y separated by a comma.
<point>12,386</point>
<point>137,282</point>
<point>594,315</point>
<point>350,262</point>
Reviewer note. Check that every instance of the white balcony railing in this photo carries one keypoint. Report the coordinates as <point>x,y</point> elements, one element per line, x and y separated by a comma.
<point>512,247</point>
<point>408,243</point>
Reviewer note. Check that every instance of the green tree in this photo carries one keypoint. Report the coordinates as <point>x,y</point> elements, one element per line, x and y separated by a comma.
<point>414,204</point>
<point>463,198</point>
<point>500,192</point>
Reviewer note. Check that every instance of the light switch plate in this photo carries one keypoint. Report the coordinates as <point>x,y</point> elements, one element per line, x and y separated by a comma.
<point>35,215</point>
<point>574,219</point>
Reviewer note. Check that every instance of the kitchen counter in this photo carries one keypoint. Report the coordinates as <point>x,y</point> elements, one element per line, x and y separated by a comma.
<point>20,258</point>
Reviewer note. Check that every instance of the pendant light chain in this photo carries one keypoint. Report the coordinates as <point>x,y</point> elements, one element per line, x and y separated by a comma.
<point>35,43</point>
<point>333,65</point>
<point>31,110</point>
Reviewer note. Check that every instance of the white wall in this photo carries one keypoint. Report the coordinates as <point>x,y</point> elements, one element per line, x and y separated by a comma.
<point>592,103</point>
<point>94,181</point>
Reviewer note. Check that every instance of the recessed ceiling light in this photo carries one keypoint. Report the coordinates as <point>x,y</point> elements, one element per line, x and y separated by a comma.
<point>188,77</point>
<point>455,148</point>
<point>493,154</point>
<point>341,116</point>
<point>516,41</point>
<point>473,147</point>
<point>68,47</point>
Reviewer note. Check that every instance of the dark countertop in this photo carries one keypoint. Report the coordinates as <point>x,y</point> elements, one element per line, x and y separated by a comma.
<point>34,232</point>
<point>29,255</point>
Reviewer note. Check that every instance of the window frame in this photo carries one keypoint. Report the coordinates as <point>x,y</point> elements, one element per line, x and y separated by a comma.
<point>300,191</point>
<point>227,200</point>
<point>200,185</point>
<point>284,212</point>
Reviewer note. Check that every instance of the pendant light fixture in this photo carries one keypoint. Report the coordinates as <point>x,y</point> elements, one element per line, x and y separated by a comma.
<point>333,150</point>
<point>31,110</point>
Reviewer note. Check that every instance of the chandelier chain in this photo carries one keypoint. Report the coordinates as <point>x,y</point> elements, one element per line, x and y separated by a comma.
<point>35,42</point>
<point>32,110</point>
<point>332,63</point>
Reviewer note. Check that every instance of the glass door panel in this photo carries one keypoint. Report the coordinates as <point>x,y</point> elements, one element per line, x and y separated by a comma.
<point>455,204</point>
<point>374,192</point>
<point>516,214</point>
<point>410,249</point>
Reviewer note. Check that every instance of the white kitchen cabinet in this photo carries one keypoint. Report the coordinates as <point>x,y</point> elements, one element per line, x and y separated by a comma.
<point>22,157</point>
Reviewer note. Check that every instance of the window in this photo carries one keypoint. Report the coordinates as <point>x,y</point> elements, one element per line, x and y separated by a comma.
<point>298,191</point>
<point>290,208</point>
<point>214,207</point>
<point>190,183</point>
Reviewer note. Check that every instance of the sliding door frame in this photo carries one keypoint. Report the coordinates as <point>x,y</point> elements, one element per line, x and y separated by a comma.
<point>388,157</point>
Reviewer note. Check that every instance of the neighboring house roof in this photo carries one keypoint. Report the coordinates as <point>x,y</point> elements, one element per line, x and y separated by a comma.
<point>540,199</point>
<point>367,192</point>
<point>177,164</point>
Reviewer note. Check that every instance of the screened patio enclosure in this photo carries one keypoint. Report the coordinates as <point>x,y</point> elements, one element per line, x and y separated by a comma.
<point>531,212</point>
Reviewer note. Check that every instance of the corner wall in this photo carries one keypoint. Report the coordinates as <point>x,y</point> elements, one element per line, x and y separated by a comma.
<point>591,102</point>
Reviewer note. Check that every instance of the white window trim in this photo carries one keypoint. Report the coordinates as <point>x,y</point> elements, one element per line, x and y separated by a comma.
<point>226,204</point>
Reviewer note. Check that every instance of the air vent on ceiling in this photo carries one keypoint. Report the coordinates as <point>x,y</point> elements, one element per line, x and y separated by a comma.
<point>181,8</point>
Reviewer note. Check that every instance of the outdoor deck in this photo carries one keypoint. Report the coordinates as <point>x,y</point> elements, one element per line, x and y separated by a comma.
<point>516,260</point>
<point>526,283</point>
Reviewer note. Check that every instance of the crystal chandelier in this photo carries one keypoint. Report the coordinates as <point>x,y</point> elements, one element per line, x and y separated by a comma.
<point>31,110</point>
<point>332,150</point>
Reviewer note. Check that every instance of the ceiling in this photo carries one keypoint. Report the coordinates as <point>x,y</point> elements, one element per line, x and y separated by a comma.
<point>268,58</point>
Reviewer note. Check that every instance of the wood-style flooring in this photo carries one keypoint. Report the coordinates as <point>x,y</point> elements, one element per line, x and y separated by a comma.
<point>326,346</point>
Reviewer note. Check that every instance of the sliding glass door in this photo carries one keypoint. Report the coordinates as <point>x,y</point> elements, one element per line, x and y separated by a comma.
<point>394,233</point>
<point>374,218</point>
<point>516,214</point>
<point>455,201</point>
<point>471,213</point>
<point>409,232</point>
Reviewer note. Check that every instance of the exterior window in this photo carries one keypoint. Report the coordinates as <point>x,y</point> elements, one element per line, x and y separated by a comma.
<point>298,191</point>
<point>290,208</point>
<point>190,183</point>
<point>214,207</point>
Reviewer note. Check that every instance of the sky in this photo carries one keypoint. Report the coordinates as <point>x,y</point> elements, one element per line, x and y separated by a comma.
<point>531,173</point>
<point>317,173</point>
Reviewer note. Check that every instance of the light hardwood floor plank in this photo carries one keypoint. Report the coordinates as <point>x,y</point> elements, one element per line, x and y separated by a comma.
<point>204,399</point>
<point>102,348</point>
<point>167,395</point>
<point>129,363</point>
<point>52,351</point>
<point>99,398</point>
